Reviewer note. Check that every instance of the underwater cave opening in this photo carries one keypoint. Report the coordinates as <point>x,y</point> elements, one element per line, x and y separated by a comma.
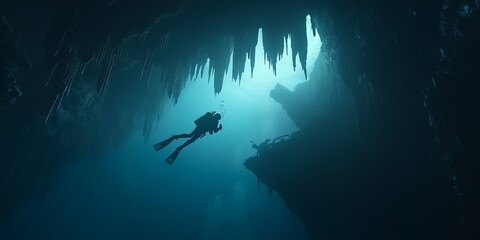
<point>207,188</point>
<point>249,112</point>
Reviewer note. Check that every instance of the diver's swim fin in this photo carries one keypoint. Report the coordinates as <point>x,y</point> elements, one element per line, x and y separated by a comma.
<point>173,156</point>
<point>164,143</point>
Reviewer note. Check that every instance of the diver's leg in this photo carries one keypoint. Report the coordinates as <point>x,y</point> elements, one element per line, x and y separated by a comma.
<point>185,135</point>
<point>164,143</point>
<point>189,141</point>
<point>174,155</point>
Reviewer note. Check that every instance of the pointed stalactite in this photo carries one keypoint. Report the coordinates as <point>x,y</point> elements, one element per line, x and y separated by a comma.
<point>169,83</point>
<point>199,69</point>
<point>299,44</point>
<point>273,44</point>
<point>251,56</point>
<point>202,69</point>
<point>243,47</point>
<point>238,63</point>
<point>181,64</point>
<point>210,70</point>
<point>201,60</point>
<point>314,24</point>
<point>176,80</point>
<point>219,60</point>
<point>180,81</point>
<point>218,81</point>
<point>191,70</point>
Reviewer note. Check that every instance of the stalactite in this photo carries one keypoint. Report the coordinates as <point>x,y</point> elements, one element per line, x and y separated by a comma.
<point>273,44</point>
<point>179,59</point>
<point>251,56</point>
<point>219,60</point>
<point>244,46</point>
<point>202,69</point>
<point>180,54</point>
<point>314,25</point>
<point>180,62</point>
<point>191,70</point>
<point>238,64</point>
<point>299,44</point>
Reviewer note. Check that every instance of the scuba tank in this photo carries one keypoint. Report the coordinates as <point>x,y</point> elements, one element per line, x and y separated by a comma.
<point>203,119</point>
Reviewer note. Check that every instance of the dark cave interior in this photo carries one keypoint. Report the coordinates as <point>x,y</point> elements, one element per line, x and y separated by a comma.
<point>76,76</point>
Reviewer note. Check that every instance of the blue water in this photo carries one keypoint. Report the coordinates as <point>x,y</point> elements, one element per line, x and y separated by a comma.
<point>130,193</point>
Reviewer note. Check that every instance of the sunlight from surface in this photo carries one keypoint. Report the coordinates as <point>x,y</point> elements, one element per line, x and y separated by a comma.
<point>263,78</point>
<point>249,113</point>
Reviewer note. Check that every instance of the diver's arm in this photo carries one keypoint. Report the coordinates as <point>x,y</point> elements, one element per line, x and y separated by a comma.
<point>219,127</point>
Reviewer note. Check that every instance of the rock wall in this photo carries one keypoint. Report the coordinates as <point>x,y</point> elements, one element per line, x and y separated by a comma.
<point>400,75</point>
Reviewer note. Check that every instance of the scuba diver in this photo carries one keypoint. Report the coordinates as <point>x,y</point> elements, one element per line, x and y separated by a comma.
<point>206,123</point>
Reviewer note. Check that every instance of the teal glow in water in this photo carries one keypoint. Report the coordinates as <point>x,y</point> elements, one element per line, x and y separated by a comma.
<point>206,194</point>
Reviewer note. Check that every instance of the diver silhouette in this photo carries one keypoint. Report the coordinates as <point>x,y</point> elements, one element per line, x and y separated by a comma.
<point>206,123</point>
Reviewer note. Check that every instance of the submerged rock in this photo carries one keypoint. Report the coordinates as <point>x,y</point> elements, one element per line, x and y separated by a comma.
<point>345,187</point>
<point>377,150</point>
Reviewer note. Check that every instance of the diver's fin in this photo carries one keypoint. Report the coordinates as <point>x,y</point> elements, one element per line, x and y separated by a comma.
<point>173,156</point>
<point>164,143</point>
